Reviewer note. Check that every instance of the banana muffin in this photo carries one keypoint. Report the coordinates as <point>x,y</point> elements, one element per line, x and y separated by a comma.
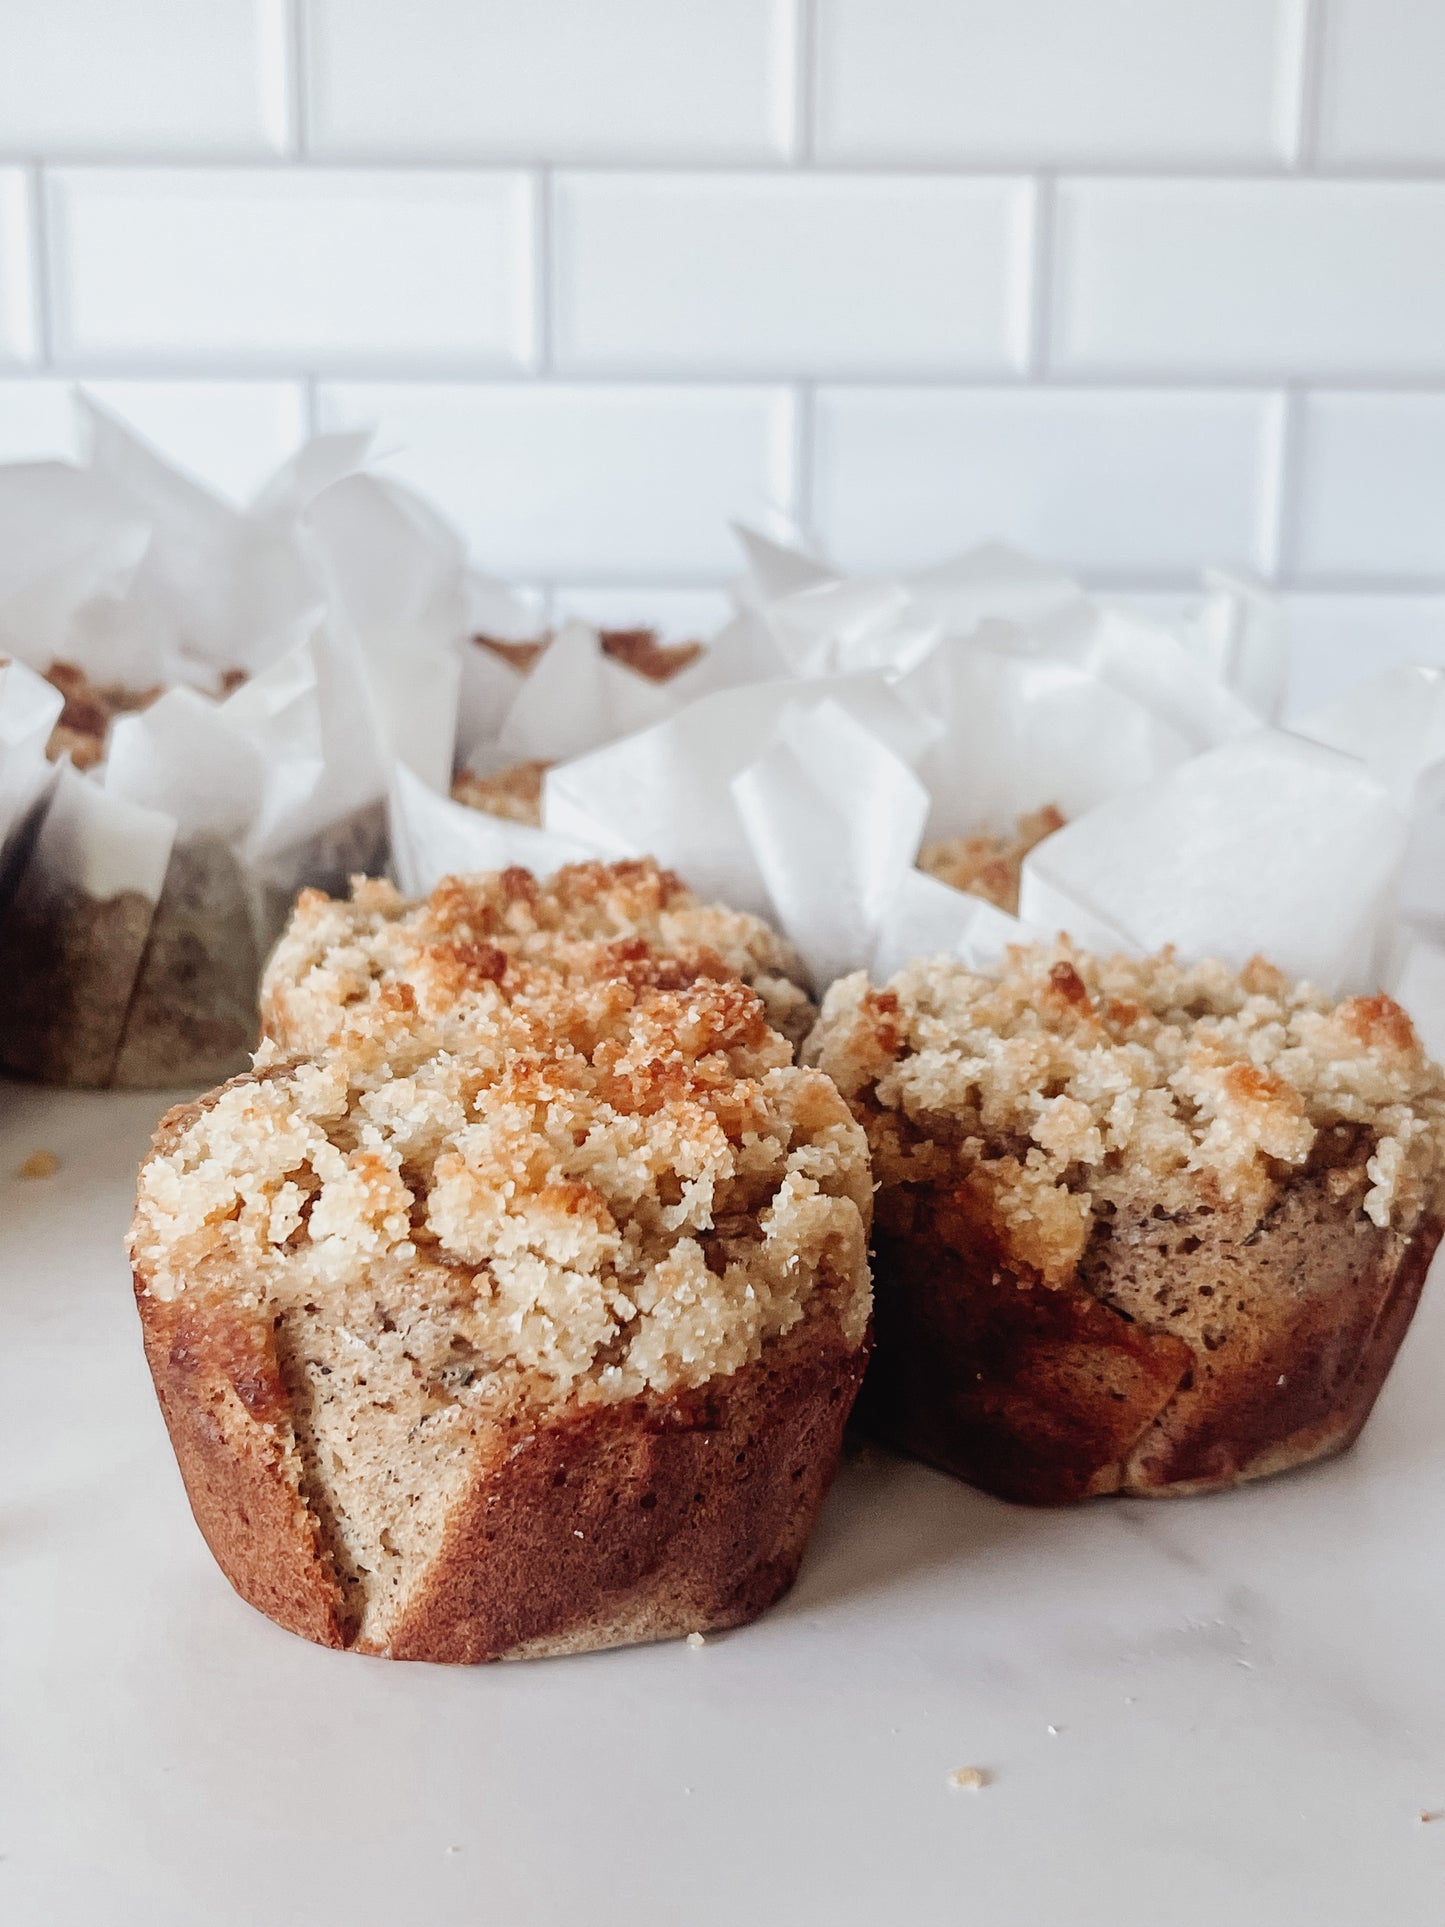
<point>513,793</point>
<point>483,939</point>
<point>535,1348</point>
<point>1141,1226</point>
<point>988,865</point>
<point>641,650</point>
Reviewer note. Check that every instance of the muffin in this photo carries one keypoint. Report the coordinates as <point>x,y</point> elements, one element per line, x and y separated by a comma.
<point>514,793</point>
<point>988,865</point>
<point>526,1350</point>
<point>641,650</point>
<point>1141,1226</point>
<point>477,940</point>
<point>90,708</point>
<point>130,949</point>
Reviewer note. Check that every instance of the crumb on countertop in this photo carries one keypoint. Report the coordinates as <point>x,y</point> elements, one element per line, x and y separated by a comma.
<point>39,1164</point>
<point>970,1778</point>
<point>695,1640</point>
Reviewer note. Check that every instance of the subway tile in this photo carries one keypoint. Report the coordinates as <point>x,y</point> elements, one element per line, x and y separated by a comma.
<point>252,269</point>
<point>1142,483</point>
<point>1382,73</point>
<point>123,77</point>
<point>37,421</point>
<point>678,615</point>
<point>1249,278</point>
<point>592,483</point>
<point>1369,489</point>
<point>1338,640</point>
<point>1030,81</point>
<point>230,435</point>
<point>808,274</point>
<point>18,344</point>
<point>551,79</point>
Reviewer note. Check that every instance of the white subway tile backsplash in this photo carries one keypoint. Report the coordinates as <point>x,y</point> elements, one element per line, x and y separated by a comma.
<point>1335,640</point>
<point>1381,82</point>
<point>678,615</point>
<point>122,77</point>
<point>37,421</point>
<point>259,269</point>
<point>18,332</point>
<point>1302,277</point>
<point>555,79</point>
<point>231,435</point>
<point>810,274</point>
<point>1057,80</point>
<point>1369,486</point>
<point>1054,262</point>
<point>1113,483</point>
<point>598,484</point>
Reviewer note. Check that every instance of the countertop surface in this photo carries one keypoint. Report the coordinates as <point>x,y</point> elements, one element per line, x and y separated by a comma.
<point>1216,1710</point>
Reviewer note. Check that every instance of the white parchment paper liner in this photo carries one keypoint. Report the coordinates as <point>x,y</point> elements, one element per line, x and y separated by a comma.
<point>876,714</point>
<point>146,897</point>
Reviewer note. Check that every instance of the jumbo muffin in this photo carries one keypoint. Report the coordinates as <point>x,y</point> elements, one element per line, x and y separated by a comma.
<point>477,939</point>
<point>540,1347</point>
<point>1140,1227</point>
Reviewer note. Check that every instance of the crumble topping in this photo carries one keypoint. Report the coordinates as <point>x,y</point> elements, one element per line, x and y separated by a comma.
<point>514,792</point>
<point>1071,1084</point>
<point>986,865</point>
<point>90,709</point>
<point>479,942</point>
<point>641,650</point>
<point>616,1191</point>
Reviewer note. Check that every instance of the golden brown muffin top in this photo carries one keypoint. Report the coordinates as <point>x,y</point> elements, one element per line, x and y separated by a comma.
<point>1068,1083</point>
<point>611,1190</point>
<point>498,936</point>
<point>986,865</point>
<point>90,709</point>
<point>514,792</point>
<point>642,650</point>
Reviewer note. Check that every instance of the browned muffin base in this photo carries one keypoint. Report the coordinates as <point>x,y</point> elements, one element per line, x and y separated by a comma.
<point>1047,1395</point>
<point>582,1528</point>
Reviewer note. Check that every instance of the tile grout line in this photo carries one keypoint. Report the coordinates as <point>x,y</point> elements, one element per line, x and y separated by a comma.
<point>42,276</point>
<point>805,396</point>
<point>1384,173</point>
<point>311,402</point>
<point>1309,83</point>
<point>1277,488</point>
<point>544,276</point>
<point>1003,382</point>
<point>803,145</point>
<point>298,54</point>
<point>1038,312</point>
<point>1168,582</point>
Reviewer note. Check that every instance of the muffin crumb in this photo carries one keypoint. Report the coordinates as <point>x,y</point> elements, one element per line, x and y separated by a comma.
<point>39,1164</point>
<point>971,1779</point>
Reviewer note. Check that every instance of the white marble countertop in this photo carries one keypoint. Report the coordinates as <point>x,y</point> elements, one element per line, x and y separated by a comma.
<point>1226,1710</point>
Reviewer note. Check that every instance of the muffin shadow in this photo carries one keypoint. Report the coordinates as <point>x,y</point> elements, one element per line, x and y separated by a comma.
<point>890,1519</point>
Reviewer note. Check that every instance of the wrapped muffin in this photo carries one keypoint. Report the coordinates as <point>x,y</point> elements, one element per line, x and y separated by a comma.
<point>537,1346</point>
<point>217,743</point>
<point>1140,1226</point>
<point>466,946</point>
